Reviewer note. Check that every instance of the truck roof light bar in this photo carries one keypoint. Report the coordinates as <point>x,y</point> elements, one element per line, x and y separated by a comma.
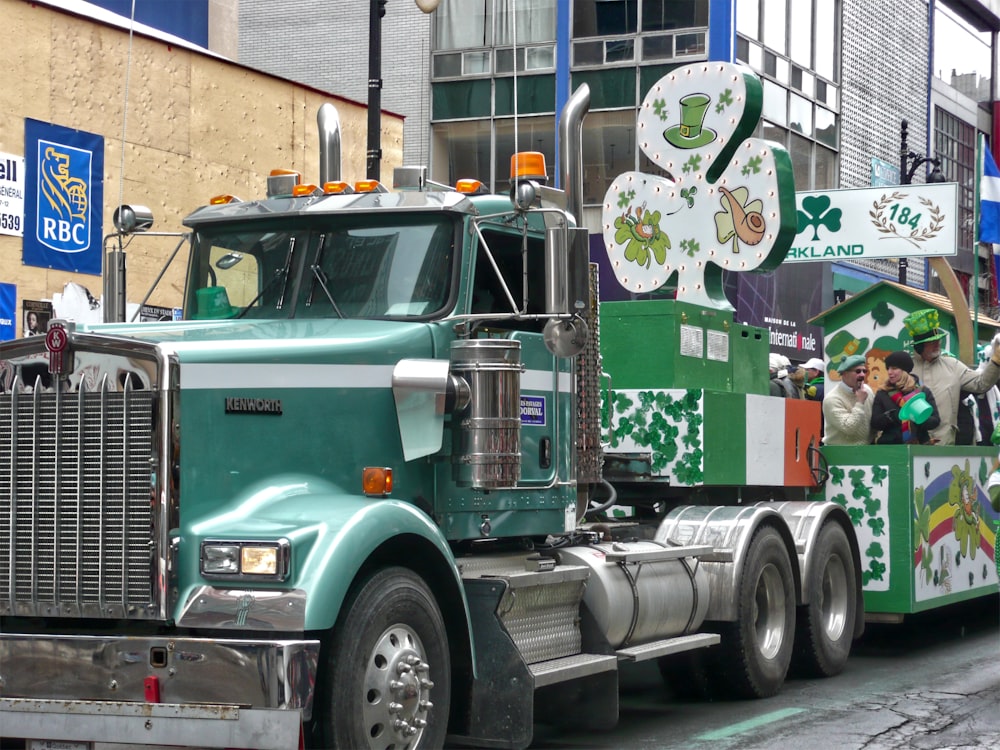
<point>470,187</point>
<point>338,187</point>
<point>221,200</point>
<point>369,186</point>
<point>305,188</point>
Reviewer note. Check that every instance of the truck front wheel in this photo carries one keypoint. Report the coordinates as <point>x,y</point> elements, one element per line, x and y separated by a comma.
<point>388,668</point>
<point>756,649</point>
<point>826,625</point>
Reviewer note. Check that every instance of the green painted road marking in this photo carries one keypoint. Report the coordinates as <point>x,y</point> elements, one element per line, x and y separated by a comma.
<point>734,729</point>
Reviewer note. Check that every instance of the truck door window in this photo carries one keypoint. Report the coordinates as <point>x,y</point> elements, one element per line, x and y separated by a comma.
<point>488,295</point>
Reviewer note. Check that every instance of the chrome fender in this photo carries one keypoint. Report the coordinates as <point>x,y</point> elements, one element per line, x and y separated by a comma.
<point>728,530</point>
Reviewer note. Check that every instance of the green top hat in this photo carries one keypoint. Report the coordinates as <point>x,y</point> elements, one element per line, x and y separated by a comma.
<point>922,325</point>
<point>844,344</point>
<point>691,133</point>
<point>213,303</point>
<point>916,409</point>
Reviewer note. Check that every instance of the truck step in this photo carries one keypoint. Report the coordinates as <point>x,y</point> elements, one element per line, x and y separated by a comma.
<point>570,668</point>
<point>658,555</point>
<point>667,646</point>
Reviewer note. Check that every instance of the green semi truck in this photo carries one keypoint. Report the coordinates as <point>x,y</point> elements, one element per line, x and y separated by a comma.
<point>397,480</point>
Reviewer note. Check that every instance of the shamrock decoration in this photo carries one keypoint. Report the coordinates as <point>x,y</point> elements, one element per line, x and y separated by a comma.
<point>730,201</point>
<point>641,235</point>
<point>962,495</point>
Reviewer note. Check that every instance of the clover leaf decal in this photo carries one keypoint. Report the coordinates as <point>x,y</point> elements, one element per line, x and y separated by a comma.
<point>728,200</point>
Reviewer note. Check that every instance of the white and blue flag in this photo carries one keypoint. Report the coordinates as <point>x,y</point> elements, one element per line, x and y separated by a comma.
<point>989,198</point>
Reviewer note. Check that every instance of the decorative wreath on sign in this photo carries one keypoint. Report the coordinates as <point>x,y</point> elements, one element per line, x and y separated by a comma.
<point>916,235</point>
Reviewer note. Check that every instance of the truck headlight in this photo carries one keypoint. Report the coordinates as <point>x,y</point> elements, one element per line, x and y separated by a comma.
<point>245,559</point>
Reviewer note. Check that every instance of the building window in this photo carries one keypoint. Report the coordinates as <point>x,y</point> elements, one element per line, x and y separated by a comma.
<point>792,45</point>
<point>955,145</point>
<point>962,55</point>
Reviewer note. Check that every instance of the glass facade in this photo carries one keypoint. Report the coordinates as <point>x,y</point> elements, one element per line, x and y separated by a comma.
<point>791,45</point>
<point>618,47</point>
<point>962,55</point>
<point>955,145</point>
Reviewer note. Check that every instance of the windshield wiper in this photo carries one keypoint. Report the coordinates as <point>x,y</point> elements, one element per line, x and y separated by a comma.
<point>281,273</point>
<point>319,276</point>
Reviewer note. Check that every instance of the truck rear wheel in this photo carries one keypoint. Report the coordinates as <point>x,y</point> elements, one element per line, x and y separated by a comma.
<point>825,627</point>
<point>388,668</point>
<point>756,649</point>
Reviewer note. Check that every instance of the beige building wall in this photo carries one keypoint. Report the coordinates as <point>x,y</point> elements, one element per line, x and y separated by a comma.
<point>195,125</point>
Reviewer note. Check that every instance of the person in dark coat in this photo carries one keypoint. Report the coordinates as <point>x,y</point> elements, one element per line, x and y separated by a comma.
<point>901,387</point>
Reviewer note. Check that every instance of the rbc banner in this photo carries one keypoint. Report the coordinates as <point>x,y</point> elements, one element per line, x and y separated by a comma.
<point>8,293</point>
<point>64,197</point>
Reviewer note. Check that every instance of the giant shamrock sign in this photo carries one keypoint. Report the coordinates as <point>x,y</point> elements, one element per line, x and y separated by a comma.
<point>729,200</point>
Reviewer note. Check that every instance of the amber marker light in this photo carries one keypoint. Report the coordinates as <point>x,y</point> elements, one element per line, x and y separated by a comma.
<point>336,188</point>
<point>376,481</point>
<point>304,189</point>
<point>470,187</point>
<point>220,200</point>
<point>366,186</point>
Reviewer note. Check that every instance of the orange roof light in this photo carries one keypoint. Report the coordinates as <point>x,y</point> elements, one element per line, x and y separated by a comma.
<point>220,200</point>
<point>366,186</point>
<point>304,189</point>
<point>528,165</point>
<point>334,188</point>
<point>470,187</point>
<point>376,481</point>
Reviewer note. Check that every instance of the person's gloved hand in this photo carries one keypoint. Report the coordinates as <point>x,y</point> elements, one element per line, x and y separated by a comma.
<point>995,345</point>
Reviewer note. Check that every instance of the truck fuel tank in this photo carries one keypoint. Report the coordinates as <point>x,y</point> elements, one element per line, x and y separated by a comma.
<point>642,591</point>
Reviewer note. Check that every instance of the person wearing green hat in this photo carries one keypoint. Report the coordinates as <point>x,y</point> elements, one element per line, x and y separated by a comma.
<point>847,407</point>
<point>889,414</point>
<point>944,375</point>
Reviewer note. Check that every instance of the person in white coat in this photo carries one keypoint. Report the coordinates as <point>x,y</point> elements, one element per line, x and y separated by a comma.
<point>946,376</point>
<point>847,407</point>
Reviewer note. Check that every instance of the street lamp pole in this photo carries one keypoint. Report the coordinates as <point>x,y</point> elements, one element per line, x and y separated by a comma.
<point>377,11</point>
<point>909,162</point>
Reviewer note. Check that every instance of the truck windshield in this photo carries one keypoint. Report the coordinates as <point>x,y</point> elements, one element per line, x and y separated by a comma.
<point>370,266</point>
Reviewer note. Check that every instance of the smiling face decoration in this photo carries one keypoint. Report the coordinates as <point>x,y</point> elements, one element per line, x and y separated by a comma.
<point>730,204</point>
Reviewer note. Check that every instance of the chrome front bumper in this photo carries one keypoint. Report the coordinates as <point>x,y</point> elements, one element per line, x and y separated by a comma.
<point>156,690</point>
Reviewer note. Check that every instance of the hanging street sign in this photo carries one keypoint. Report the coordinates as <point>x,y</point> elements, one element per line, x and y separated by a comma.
<point>900,221</point>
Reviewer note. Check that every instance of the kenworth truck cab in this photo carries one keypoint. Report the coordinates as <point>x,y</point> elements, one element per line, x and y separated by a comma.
<point>384,487</point>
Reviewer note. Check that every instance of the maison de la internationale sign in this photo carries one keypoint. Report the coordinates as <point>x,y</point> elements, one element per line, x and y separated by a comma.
<point>898,221</point>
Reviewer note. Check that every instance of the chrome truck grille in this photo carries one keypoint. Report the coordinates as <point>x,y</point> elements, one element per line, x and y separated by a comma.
<point>79,522</point>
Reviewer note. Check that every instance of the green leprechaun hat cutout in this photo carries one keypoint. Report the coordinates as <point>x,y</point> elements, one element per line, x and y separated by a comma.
<point>730,204</point>
<point>691,133</point>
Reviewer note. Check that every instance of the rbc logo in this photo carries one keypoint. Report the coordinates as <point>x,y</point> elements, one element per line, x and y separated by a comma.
<point>63,197</point>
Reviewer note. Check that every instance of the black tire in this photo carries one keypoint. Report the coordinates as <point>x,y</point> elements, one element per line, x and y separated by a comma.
<point>756,650</point>
<point>825,627</point>
<point>387,661</point>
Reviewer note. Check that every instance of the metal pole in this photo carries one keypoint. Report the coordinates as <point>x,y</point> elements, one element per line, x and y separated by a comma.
<point>904,179</point>
<point>375,88</point>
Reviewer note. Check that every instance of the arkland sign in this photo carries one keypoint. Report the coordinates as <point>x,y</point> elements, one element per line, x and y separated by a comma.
<point>882,222</point>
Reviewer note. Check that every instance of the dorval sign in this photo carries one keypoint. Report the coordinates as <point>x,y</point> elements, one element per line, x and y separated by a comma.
<point>730,204</point>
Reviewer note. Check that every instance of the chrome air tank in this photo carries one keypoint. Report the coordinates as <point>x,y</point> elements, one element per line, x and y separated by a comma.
<point>641,591</point>
<point>486,445</point>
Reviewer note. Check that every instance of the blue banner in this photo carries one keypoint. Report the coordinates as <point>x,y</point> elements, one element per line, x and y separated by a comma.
<point>64,198</point>
<point>8,297</point>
